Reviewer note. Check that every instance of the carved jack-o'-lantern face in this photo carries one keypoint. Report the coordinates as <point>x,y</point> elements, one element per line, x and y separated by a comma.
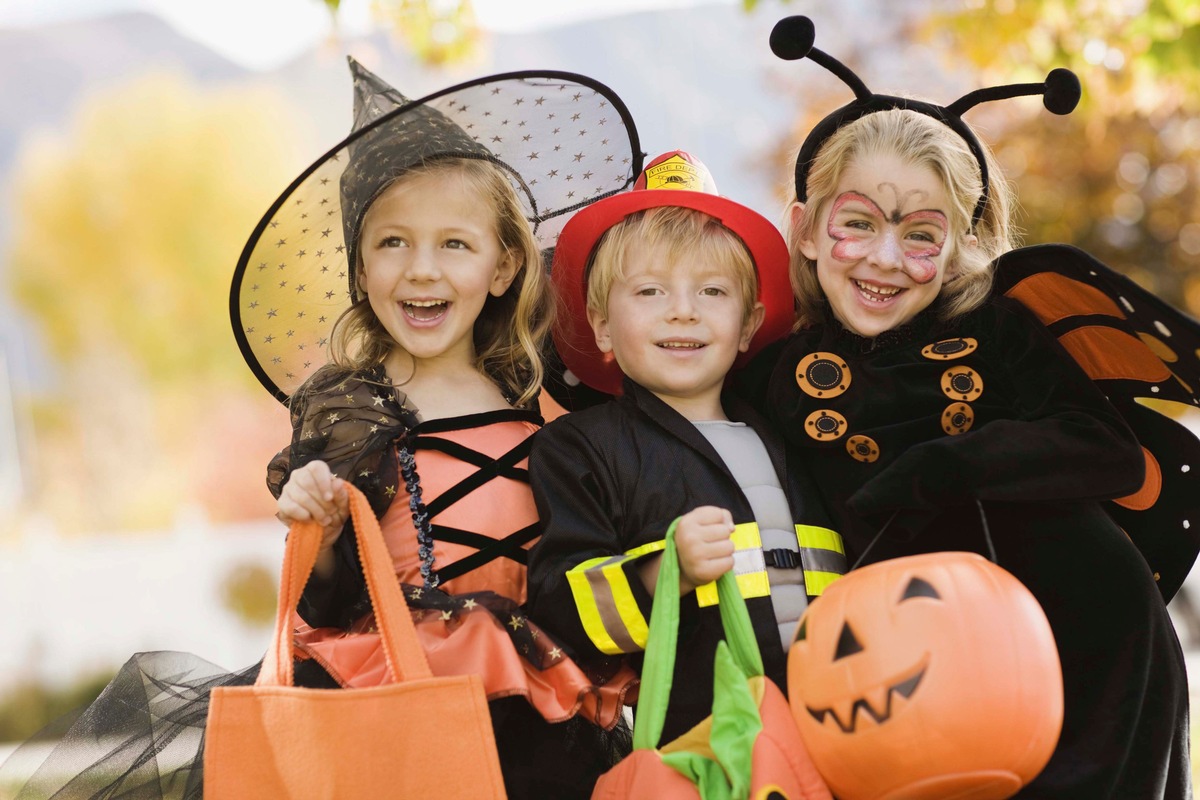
<point>927,676</point>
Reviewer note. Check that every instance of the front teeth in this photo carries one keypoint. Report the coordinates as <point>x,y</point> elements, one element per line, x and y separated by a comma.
<point>424,303</point>
<point>681,345</point>
<point>877,294</point>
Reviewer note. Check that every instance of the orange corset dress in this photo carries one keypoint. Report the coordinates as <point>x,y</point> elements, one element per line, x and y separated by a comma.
<point>471,477</point>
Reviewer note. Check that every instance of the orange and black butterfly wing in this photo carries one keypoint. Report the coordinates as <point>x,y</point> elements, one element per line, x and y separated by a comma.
<point>1145,356</point>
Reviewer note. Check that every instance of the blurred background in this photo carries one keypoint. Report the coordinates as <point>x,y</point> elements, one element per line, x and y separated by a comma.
<point>141,140</point>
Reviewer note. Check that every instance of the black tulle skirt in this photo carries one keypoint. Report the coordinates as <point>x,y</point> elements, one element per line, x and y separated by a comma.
<point>143,739</point>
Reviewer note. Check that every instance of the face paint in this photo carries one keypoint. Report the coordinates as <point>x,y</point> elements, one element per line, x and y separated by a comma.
<point>923,270</point>
<point>871,230</point>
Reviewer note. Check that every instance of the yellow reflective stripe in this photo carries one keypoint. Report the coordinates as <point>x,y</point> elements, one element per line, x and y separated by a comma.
<point>820,538</point>
<point>625,604</point>
<point>606,604</point>
<point>589,611</point>
<point>646,549</point>
<point>816,582</point>
<point>747,542</point>
<point>746,536</point>
<point>754,584</point>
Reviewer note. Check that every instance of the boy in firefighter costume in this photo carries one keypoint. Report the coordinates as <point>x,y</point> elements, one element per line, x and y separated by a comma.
<point>663,288</point>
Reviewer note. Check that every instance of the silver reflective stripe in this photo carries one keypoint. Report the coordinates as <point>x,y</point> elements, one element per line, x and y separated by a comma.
<point>823,560</point>
<point>746,561</point>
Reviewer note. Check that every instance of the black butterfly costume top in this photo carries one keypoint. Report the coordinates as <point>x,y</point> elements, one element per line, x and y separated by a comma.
<point>1088,492</point>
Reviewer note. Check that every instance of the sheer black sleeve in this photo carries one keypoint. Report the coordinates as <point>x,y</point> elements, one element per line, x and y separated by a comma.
<point>350,421</point>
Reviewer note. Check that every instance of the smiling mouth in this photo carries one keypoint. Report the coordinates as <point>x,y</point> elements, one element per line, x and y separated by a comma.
<point>877,294</point>
<point>903,689</point>
<point>424,310</point>
<point>681,345</point>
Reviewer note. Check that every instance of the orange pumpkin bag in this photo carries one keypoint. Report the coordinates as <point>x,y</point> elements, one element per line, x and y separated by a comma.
<point>748,748</point>
<point>273,740</point>
<point>926,677</point>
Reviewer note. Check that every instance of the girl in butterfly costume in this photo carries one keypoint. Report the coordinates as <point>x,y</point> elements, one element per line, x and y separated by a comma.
<point>914,387</point>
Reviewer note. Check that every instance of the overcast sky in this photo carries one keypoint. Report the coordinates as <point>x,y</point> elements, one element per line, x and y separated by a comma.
<point>261,34</point>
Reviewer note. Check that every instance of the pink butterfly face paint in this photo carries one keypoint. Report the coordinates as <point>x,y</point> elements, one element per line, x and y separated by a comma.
<point>881,258</point>
<point>861,229</point>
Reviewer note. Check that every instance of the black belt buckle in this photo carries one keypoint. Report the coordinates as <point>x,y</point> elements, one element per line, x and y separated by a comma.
<point>782,558</point>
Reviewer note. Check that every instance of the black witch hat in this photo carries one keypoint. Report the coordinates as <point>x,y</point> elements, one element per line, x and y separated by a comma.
<point>563,139</point>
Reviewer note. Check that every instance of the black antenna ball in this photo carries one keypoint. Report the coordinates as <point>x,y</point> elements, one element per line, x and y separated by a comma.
<point>1062,91</point>
<point>792,38</point>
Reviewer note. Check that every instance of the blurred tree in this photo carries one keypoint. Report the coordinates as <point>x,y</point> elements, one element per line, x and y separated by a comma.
<point>31,705</point>
<point>249,591</point>
<point>437,32</point>
<point>1119,176</point>
<point>127,225</point>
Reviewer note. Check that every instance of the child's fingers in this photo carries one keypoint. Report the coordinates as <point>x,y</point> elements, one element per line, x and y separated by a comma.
<point>710,515</point>
<point>316,479</point>
<point>704,570</point>
<point>341,498</point>
<point>290,511</point>
<point>301,504</point>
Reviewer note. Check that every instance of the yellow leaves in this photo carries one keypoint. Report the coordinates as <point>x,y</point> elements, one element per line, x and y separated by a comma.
<point>438,32</point>
<point>249,591</point>
<point>1129,56</point>
<point>127,224</point>
<point>131,220</point>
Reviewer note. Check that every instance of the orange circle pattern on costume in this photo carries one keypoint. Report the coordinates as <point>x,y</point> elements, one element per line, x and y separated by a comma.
<point>823,374</point>
<point>948,349</point>
<point>862,448</point>
<point>957,418</point>
<point>824,424</point>
<point>962,383</point>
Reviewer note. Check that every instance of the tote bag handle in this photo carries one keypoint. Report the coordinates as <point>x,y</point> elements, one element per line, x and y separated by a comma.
<point>406,660</point>
<point>658,668</point>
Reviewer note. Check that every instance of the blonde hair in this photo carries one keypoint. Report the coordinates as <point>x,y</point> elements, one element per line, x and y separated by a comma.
<point>922,141</point>
<point>685,235</point>
<point>510,329</point>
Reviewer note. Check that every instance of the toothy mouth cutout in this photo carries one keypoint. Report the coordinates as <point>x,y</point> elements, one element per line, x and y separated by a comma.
<point>904,689</point>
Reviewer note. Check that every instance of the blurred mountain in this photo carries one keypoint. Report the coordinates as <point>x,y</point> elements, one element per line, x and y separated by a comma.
<point>45,71</point>
<point>698,79</point>
<point>701,79</point>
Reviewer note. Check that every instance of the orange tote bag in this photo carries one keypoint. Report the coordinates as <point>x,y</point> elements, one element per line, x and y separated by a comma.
<point>419,736</point>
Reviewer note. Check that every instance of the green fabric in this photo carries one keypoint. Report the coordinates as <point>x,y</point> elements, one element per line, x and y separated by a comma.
<point>736,720</point>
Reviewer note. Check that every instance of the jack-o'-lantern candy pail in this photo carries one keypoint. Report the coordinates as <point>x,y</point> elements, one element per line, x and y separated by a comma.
<point>926,677</point>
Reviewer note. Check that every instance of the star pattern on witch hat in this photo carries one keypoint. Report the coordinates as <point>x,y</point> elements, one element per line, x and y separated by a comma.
<point>563,139</point>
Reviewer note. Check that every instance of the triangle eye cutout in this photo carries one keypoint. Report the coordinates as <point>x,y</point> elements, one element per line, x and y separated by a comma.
<point>847,644</point>
<point>802,631</point>
<point>919,587</point>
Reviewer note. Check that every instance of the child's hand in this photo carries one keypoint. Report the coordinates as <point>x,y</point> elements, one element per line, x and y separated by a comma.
<point>702,538</point>
<point>314,493</point>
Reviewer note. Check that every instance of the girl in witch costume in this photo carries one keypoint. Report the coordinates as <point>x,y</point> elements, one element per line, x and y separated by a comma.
<point>431,304</point>
<point>428,406</point>
<point>912,390</point>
